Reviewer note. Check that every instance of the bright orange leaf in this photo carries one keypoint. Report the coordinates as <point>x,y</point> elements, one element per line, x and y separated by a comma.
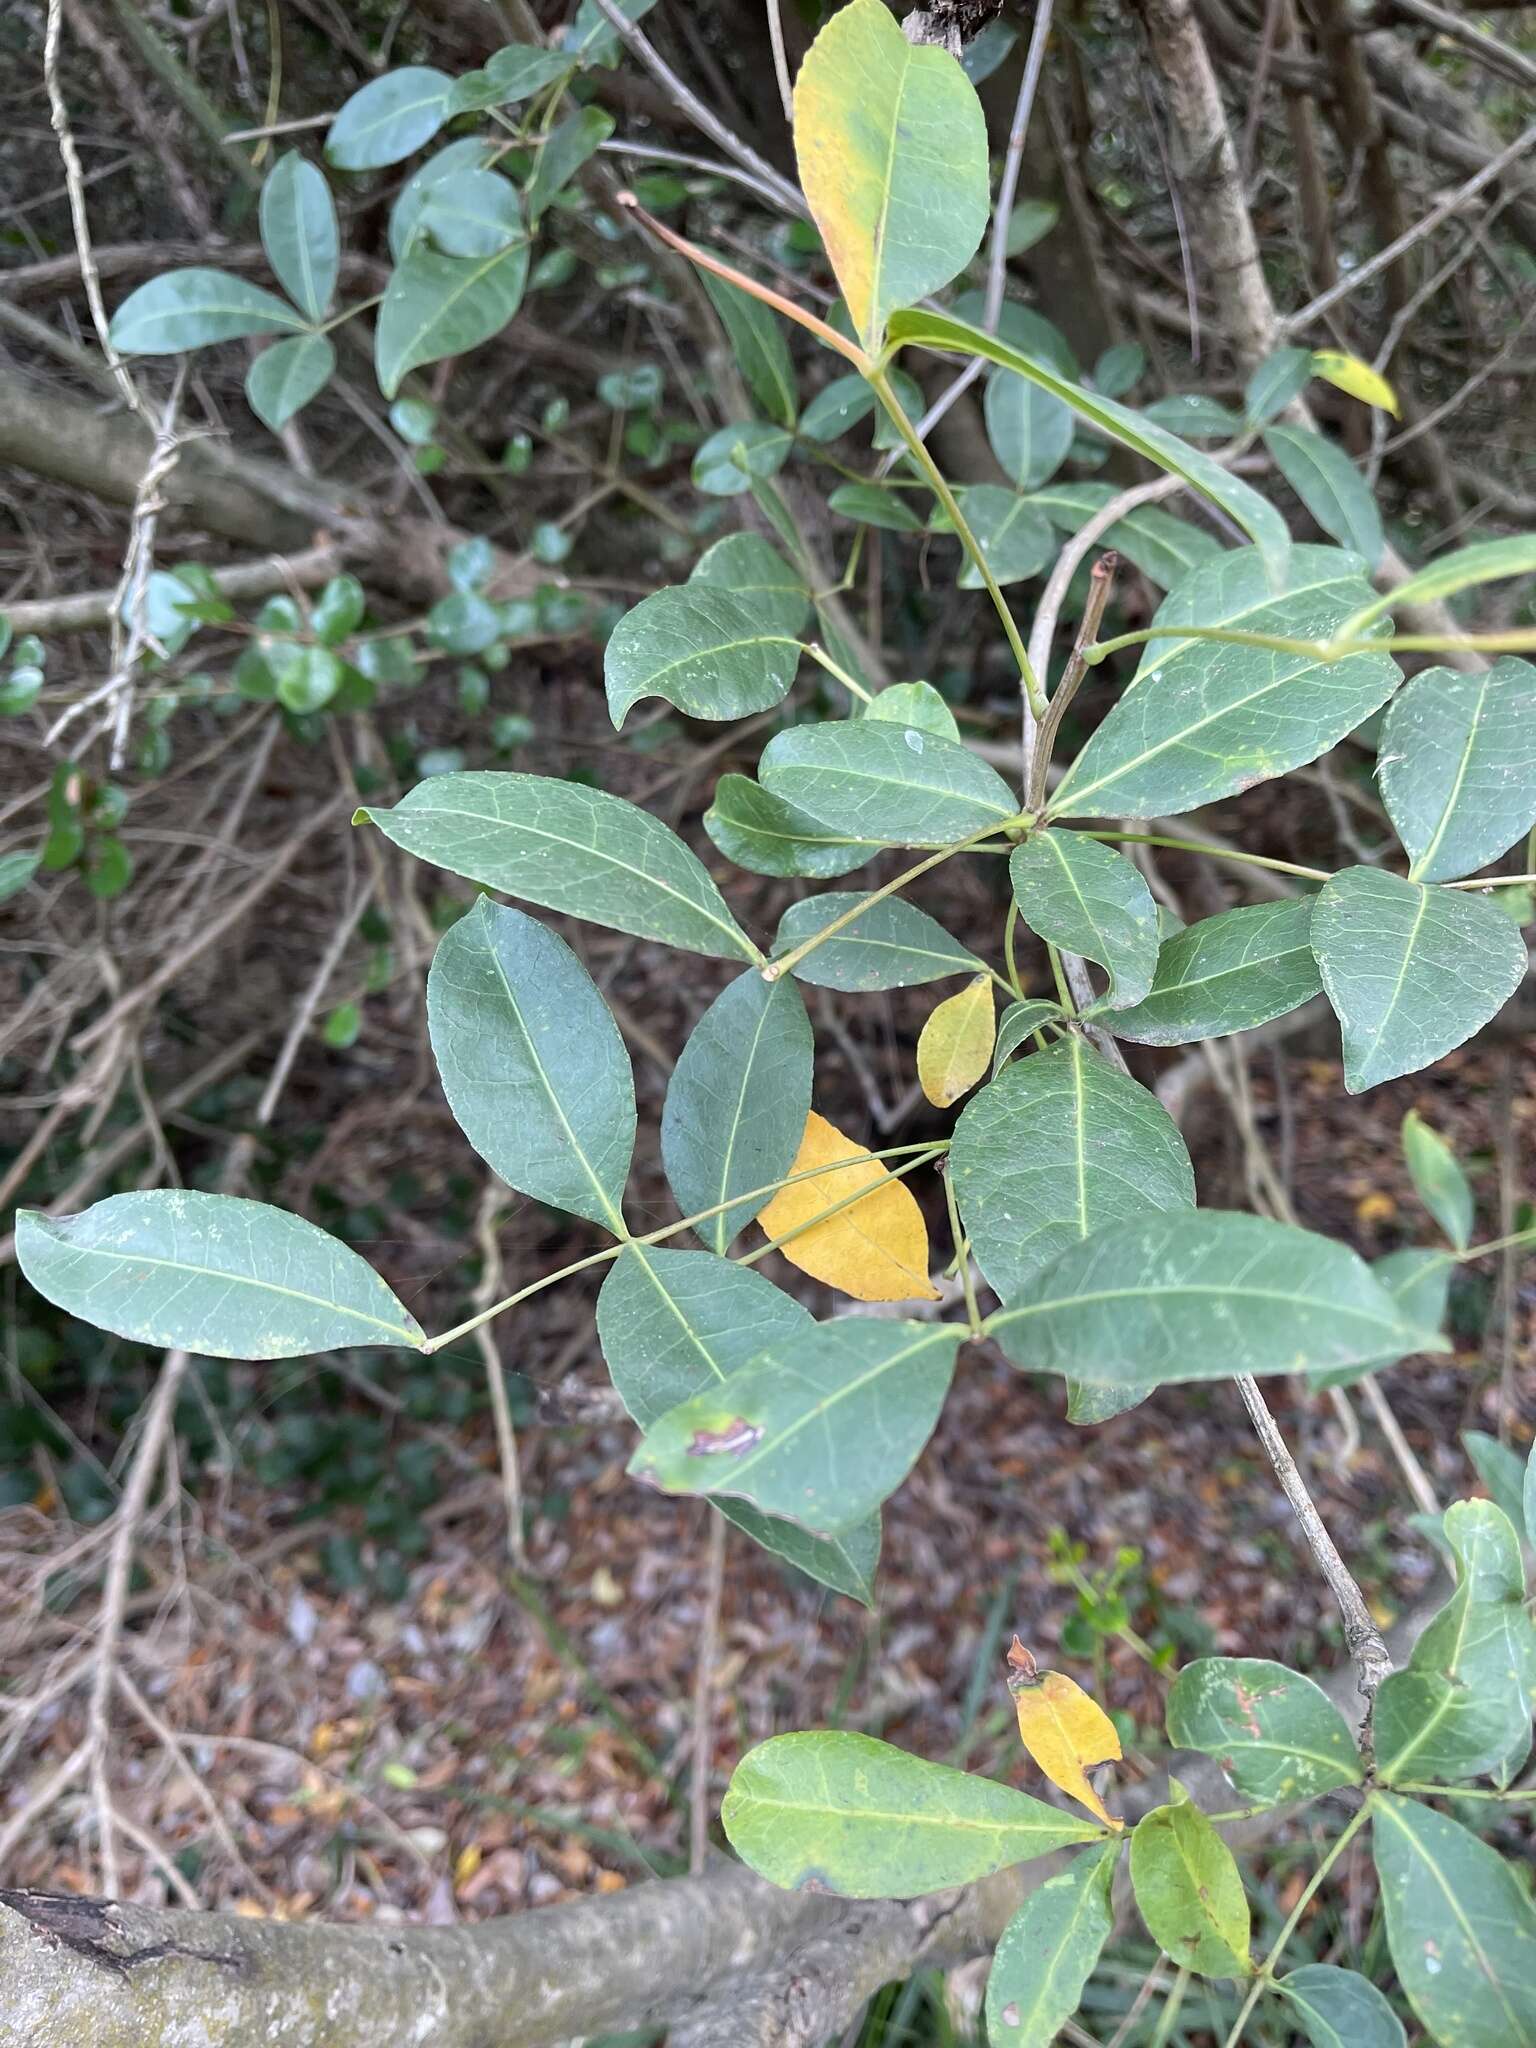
<point>1063,1729</point>
<point>875,1249</point>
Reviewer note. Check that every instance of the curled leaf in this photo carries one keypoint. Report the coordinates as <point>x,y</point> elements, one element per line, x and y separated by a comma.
<point>956,1043</point>
<point>875,1249</point>
<point>1063,1729</point>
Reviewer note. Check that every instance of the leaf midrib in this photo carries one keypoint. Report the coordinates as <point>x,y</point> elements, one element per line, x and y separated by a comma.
<point>434,811</point>
<point>95,1251</point>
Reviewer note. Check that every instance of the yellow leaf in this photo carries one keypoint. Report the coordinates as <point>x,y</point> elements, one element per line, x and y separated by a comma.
<point>1349,374</point>
<point>956,1043</point>
<point>876,1249</point>
<point>1063,1729</point>
<point>892,148</point>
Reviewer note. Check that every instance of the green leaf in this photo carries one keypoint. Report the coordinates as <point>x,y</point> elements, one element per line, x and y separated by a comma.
<point>916,704</point>
<point>532,1063</point>
<point>1277,1736</point>
<point>285,377</point>
<point>893,783</point>
<point>1280,378</point>
<point>873,505</point>
<point>1412,972</point>
<point>837,408</point>
<point>746,565</point>
<point>16,870</point>
<point>766,836</point>
<point>184,309</point>
<point>818,1429</point>
<point>1258,519</point>
<point>1163,548</point>
<point>1058,1146</point>
<point>758,344</point>
<point>1464,1703</point>
<point>1418,1281</point>
<point>838,1812</point>
<point>1189,1892</point>
<point>439,305</point>
<point>1192,413</point>
<point>307,678</point>
<point>1014,535</point>
<point>1030,222</point>
<point>1088,899</point>
<point>847,1562</point>
<point>1488,562</point>
<point>673,1324</point>
<point>1230,972</point>
<point>1120,368</point>
<point>1018,1024</point>
<point>472,213</point>
<point>1530,1499</point>
<point>514,72</point>
<point>1024,329</point>
<point>300,234</point>
<point>570,849</point>
<point>1203,719</point>
<point>592,40</point>
<point>1460,1925</point>
<point>1457,762</point>
<point>708,651</point>
<point>1437,1175</point>
<point>1501,1471</point>
<point>1198,1297</point>
<point>739,454</point>
<point>1049,1950</point>
<point>388,118</point>
<point>737,1102</point>
<point>1331,488</point>
<point>469,153</point>
<point>213,1274</point>
<point>565,149</point>
<point>1340,2008</point>
<point>1030,428</point>
<point>892,945</point>
<point>465,623</point>
<point>892,152</point>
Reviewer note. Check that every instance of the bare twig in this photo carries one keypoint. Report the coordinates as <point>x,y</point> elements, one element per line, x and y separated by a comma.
<point>703,117</point>
<point>704,1691</point>
<point>1371,1658</point>
<point>1452,204</point>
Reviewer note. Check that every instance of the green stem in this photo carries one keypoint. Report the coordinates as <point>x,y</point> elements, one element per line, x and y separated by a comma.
<point>1266,1970</point>
<point>1170,2011</point>
<point>1497,1244</point>
<point>881,385</point>
<point>787,962</point>
<point>962,1255</point>
<point>1063,993</point>
<point>928,1149</point>
<point>850,683</point>
<point>1253,860</point>
<point>1010,954</point>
